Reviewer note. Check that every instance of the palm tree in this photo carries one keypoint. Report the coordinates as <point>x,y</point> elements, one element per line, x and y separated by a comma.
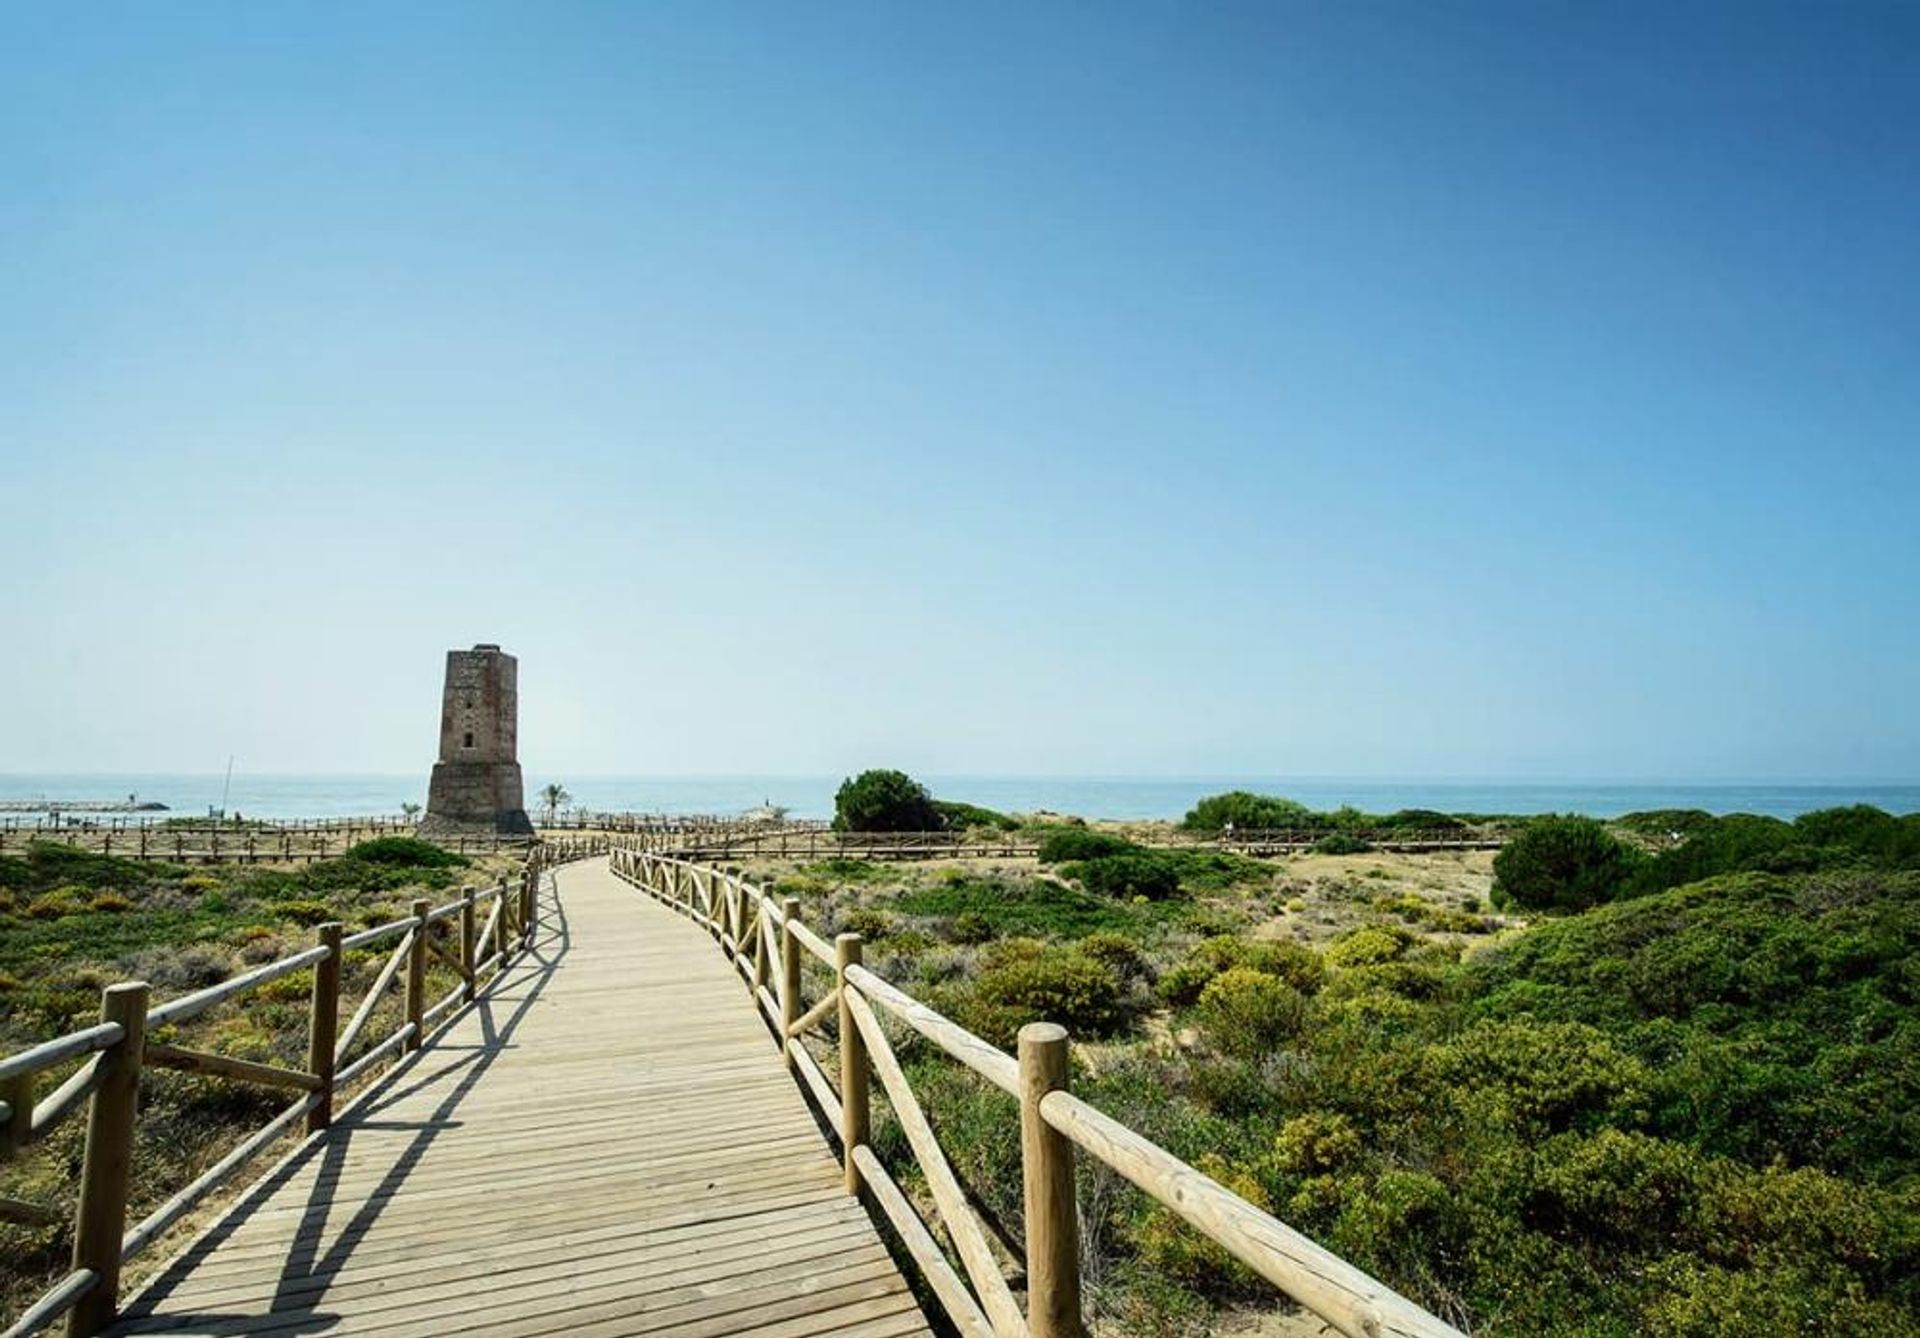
<point>553,796</point>
<point>409,811</point>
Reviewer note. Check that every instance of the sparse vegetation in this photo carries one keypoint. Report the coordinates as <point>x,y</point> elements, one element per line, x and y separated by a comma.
<point>1682,1113</point>
<point>73,922</point>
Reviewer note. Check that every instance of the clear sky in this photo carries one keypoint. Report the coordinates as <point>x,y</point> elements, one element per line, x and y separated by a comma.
<point>1418,389</point>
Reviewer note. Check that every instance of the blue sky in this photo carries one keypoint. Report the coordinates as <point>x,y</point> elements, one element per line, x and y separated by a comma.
<point>1418,389</point>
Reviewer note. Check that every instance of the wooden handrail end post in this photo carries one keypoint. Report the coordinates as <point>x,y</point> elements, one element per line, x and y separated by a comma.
<point>789,978</point>
<point>1046,1161</point>
<point>855,1112</point>
<point>106,1175</point>
<point>323,1024</point>
<point>417,972</point>
<point>469,943</point>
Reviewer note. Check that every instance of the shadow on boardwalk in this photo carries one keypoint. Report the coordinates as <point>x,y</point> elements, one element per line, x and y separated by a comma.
<point>312,1262</point>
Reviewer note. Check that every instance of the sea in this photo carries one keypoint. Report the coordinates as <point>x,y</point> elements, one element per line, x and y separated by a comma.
<point>320,796</point>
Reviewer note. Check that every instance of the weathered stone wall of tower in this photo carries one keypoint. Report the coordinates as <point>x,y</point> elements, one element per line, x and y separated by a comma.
<point>476,786</point>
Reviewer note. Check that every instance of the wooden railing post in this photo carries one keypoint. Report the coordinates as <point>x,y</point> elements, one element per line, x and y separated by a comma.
<point>503,926</point>
<point>789,978</point>
<point>1046,1163</point>
<point>417,973</point>
<point>323,1025</point>
<point>106,1175</point>
<point>531,905</point>
<point>469,948</point>
<point>854,1112</point>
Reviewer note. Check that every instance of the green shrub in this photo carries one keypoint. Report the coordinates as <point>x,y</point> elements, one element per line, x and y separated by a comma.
<point>1077,843</point>
<point>1295,964</point>
<point>1044,984</point>
<point>1369,945</point>
<point>1561,863</point>
<point>1341,843</point>
<point>1019,906</point>
<point>1860,836</point>
<point>1250,812</point>
<point>869,922</point>
<point>1247,1013</point>
<point>840,869</point>
<point>1541,1076</point>
<point>955,816</point>
<point>1616,1184</point>
<point>884,801</point>
<point>1419,820</point>
<point>1316,1143</point>
<point>49,865</point>
<point>62,902</point>
<point>404,852</point>
<point>1666,822</point>
<point>1146,875</point>
<point>970,927</point>
<point>306,912</point>
<point>1119,953</point>
<point>1397,1222</point>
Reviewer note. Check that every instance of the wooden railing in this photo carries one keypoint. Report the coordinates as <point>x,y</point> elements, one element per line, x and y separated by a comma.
<point>815,841</point>
<point>215,843</point>
<point>118,1047</point>
<point>765,941</point>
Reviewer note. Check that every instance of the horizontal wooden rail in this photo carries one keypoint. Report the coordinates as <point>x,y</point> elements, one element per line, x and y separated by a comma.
<point>58,1300</point>
<point>60,1049</point>
<point>191,1005</point>
<point>1054,1123</point>
<point>62,1100</point>
<point>214,1176</point>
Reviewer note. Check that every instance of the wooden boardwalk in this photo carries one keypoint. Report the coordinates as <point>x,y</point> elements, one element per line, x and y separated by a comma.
<point>607,1143</point>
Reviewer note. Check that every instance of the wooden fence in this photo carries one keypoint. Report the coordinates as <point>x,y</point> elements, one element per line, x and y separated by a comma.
<point>816,841</point>
<point>765,941</point>
<point>117,1048</point>
<point>217,844</point>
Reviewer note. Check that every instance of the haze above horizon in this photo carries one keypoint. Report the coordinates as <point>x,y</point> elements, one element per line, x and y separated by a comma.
<point>1404,390</point>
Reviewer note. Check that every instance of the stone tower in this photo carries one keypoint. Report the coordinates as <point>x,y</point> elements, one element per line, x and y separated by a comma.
<point>476,787</point>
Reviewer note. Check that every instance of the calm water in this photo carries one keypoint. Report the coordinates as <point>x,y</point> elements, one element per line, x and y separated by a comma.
<point>1093,797</point>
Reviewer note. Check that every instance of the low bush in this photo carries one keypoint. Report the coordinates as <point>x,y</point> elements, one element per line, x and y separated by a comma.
<point>306,912</point>
<point>1249,812</point>
<point>404,852</point>
<point>1063,844</point>
<point>870,922</point>
<point>1042,984</point>
<point>1018,906</point>
<point>1561,864</point>
<point>970,927</point>
<point>1295,964</point>
<point>1369,945</point>
<point>955,816</point>
<point>1146,875</point>
<point>1247,1013</point>
<point>1341,843</point>
<point>1117,952</point>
